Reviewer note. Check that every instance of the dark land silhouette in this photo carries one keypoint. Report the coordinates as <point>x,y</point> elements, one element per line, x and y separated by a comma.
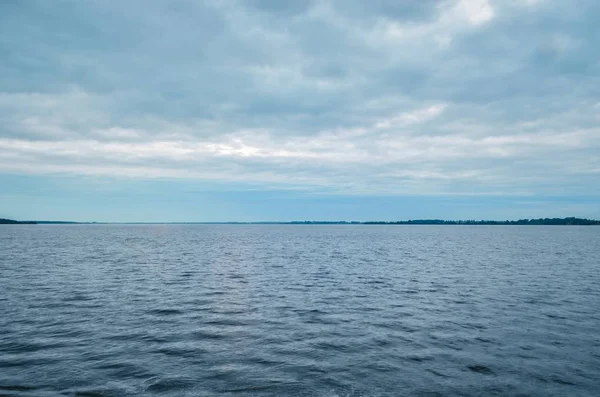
<point>540,221</point>
<point>4,221</point>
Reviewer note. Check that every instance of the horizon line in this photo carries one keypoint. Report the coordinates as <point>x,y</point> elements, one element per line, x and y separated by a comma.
<point>423,221</point>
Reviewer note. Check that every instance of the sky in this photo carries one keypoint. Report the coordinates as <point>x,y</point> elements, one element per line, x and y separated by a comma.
<point>224,110</point>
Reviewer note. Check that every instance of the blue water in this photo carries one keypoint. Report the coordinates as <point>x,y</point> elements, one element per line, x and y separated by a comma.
<point>296,310</point>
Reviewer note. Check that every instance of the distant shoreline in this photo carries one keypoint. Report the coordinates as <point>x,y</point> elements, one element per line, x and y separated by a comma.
<point>570,221</point>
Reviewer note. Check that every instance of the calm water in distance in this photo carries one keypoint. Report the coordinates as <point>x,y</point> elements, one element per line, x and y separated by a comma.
<point>297,310</point>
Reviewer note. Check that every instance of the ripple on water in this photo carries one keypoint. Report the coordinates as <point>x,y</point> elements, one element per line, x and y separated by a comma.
<point>337,311</point>
<point>165,312</point>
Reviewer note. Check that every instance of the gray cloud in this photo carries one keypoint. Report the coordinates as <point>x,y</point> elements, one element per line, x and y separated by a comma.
<point>453,97</point>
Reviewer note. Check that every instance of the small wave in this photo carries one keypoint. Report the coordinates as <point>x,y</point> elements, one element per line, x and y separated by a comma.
<point>165,312</point>
<point>159,384</point>
<point>481,369</point>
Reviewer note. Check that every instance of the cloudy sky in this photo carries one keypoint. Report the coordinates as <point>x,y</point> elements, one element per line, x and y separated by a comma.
<point>276,110</point>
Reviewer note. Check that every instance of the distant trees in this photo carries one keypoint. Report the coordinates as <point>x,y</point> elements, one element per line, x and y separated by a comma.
<point>540,221</point>
<point>4,221</point>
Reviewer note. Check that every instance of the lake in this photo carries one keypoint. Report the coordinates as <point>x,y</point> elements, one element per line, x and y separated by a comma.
<point>299,310</point>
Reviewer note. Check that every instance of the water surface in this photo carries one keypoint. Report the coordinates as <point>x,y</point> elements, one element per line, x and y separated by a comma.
<point>298,310</point>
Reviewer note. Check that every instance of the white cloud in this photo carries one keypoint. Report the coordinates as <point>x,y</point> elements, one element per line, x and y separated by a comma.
<point>413,117</point>
<point>439,97</point>
<point>476,12</point>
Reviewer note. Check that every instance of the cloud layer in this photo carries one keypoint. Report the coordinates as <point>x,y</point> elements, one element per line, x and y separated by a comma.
<point>385,97</point>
